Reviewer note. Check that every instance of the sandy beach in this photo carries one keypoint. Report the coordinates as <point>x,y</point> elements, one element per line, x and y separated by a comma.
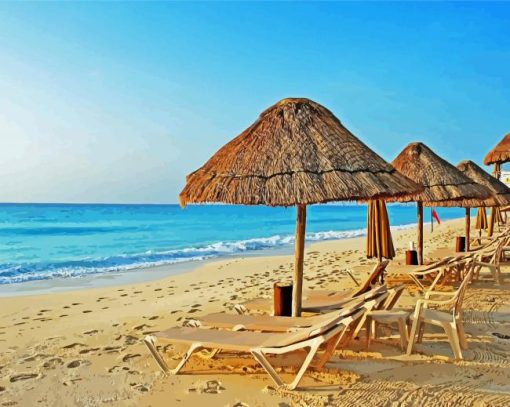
<point>83,347</point>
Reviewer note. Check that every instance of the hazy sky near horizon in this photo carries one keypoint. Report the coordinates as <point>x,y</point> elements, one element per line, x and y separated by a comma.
<point>116,102</point>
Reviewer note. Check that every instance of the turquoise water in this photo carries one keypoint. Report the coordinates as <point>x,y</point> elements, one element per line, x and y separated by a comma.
<point>44,241</point>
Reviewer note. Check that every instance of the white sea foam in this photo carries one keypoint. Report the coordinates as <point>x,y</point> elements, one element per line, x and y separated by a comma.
<point>153,258</point>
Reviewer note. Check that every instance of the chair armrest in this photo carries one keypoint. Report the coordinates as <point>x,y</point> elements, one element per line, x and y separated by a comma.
<point>425,272</point>
<point>437,302</point>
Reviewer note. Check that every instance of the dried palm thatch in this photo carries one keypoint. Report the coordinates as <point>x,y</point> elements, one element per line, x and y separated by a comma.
<point>500,153</point>
<point>500,193</point>
<point>444,184</point>
<point>297,152</point>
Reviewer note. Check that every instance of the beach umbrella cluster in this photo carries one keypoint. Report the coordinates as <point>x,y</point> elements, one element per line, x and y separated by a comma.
<point>498,155</point>
<point>444,184</point>
<point>297,153</point>
<point>500,196</point>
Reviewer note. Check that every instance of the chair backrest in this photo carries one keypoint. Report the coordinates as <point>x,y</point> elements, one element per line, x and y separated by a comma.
<point>394,294</point>
<point>495,252</point>
<point>498,254</point>
<point>374,277</point>
<point>324,325</point>
<point>434,265</point>
<point>459,295</point>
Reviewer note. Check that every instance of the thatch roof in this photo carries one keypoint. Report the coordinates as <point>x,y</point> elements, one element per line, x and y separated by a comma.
<point>444,184</point>
<point>500,153</point>
<point>297,152</point>
<point>500,193</point>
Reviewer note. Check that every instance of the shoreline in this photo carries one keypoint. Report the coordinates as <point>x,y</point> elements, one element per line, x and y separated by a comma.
<point>157,272</point>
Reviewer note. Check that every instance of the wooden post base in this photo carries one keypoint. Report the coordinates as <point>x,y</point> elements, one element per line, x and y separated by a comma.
<point>282,299</point>
<point>460,244</point>
<point>411,257</point>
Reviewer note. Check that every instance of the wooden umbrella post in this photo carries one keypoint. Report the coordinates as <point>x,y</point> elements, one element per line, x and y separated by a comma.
<point>299,252</point>
<point>468,226</point>
<point>419,205</point>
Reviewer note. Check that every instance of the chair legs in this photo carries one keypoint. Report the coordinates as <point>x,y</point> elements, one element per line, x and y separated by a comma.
<point>454,332</point>
<point>462,336</point>
<point>404,335</point>
<point>412,336</point>
<point>451,332</point>
<point>421,330</point>
<point>150,342</point>
<point>371,329</point>
<point>259,355</point>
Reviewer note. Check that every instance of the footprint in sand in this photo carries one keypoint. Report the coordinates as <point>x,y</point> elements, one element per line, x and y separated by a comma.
<point>52,363</point>
<point>130,340</point>
<point>2,389</point>
<point>74,345</point>
<point>139,387</point>
<point>88,350</point>
<point>37,356</point>
<point>111,349</point>
<point>77,363</point>
<point>130,356</point>
<point>140,327</point>
<point>70,382</point>
<point>23,376</point>
<point>115,369</point>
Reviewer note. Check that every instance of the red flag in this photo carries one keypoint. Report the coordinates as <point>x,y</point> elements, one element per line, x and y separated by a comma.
<point>434,214</point>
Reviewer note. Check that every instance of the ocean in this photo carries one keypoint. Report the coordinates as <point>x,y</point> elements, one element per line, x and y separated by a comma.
<point>45,241</point>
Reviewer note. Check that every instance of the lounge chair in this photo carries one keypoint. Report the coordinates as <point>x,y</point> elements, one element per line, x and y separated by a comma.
<point>440,271</point>
<point>328,334</point>
<point>322,300</point>
<point>428,272</point>
<point>268,323</point>
<point>490,259</point>
<point>450,322</point>
<point>319,300</point>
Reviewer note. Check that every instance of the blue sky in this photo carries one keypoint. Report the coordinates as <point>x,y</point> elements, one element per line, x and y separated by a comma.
<point>116,102</point>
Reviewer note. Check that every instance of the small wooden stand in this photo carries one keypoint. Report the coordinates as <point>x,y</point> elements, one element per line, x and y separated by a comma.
<point>460,244</point>
<point>411,257</point>
<point>282,299</point>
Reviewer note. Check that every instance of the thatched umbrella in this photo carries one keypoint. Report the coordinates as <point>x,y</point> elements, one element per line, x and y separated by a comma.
<point>498,155</point>
<point>444,184</point>
<point>500,194</point>
<point>379,241</point>
<point>296,153</point>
